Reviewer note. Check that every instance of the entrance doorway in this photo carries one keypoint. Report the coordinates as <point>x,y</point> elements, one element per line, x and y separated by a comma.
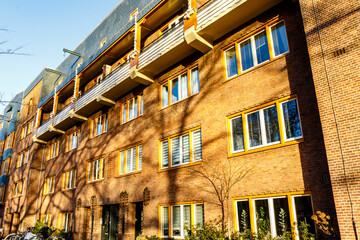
<point>110,220</point>
<point>139,216</point>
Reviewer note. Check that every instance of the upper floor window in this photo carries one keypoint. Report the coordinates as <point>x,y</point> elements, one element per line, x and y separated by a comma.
<point>18,188</point>
<point>5,167</point>
<point>95,170</point>
<point>182,216</point>
<point>49,185</point>
<point>69,180</point>
<point>256,49</point>
<point>130,160</point>
<point>9,141</point>
<point>2,194</point>
<point>65,221</point>
<point>277,122</point>
<point>103,42</point>
<point>178,150</point>
<point>23,158</point>
<point>72,140</point>
<point>52,149</point>
<point>99,125</point>
<point>180,87</point>
<point>132,108</point>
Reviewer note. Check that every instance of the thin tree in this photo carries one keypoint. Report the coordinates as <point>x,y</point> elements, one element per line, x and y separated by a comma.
<point>10,51</point>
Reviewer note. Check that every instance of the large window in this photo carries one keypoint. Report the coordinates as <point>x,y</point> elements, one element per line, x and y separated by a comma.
<point>52,149</point>
<point>130,160</point>
<point>5,167</point>
<point>99,125</point>
<point>65,221</point>
<point>49,185</point>
<point>180,87</point>
<point>277,122</point>
<point>181,149</point>
<point>271,215</point>
<point>18,188</point>
<point>180,217</point>
<point>256,49</point>
<point>132,108</point>
<point>96,170</point>
<point>68,180</point>
<point>72,140</point>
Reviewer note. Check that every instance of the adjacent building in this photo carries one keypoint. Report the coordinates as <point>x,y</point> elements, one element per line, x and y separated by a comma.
<point>122,138</point>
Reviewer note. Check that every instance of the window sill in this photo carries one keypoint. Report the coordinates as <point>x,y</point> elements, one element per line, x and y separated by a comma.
<point>128,174</point>
<point>181,166</point>
<point>162,108</point>
<point>67,190</point>
<point>256,67</point>
<point>95,181</point>
<point>267,148</point>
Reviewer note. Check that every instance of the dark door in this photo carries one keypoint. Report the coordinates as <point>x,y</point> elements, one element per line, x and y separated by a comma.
<point>139,215</point>
<point>110,220</point>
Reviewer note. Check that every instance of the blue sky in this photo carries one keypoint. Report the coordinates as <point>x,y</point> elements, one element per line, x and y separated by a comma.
<point>43,28</point>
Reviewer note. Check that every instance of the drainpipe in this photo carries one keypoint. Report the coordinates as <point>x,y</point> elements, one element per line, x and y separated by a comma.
<point>38,192</point>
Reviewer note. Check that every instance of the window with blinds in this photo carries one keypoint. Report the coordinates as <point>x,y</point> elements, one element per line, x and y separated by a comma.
<point>181,217</point>
<point>130,160</point>
<point>181,149</point>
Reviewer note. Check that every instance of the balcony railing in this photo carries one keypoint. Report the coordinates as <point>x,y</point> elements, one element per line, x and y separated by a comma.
<point>60,116</point>
<point>163,43</point>
<point>43,128</point>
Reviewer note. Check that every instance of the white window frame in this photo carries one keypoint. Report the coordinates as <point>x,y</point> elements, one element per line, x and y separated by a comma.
<point>283,119</point>
<point>181,149</point>
<point>96,174</point>
<point>232,137</point>
<point>137,160</point>
<point>271,38</point>
<point>262,127</point>
<point>68,177</point>
<point>253,51</point>
<point>226,69</point>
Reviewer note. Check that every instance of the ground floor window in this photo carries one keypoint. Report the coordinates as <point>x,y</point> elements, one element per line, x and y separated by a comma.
<point>65,221</point>
<point>176,219</point>
<point>46,219</point>
<point>274,216</point>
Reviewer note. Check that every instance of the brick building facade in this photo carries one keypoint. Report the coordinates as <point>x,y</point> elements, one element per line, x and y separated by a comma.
<point>119,142</point>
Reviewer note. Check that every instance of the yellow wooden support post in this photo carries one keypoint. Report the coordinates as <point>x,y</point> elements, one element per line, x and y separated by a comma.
<point>281,127</point>
<point>292,217</point>
<point>252,215</point>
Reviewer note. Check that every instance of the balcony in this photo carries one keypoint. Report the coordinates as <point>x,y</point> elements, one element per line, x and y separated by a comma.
<point>4,180</point>
<point>214,20</point>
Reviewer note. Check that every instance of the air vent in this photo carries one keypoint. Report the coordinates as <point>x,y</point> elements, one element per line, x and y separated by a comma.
<point>339,52</point>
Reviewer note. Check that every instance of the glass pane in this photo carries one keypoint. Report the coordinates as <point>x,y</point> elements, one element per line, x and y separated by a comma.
<point>254,129</point>
<point>184,86</point>
<point>197,146</point>
<point>195,85</point>
<point>231,64</point>
<point>237,134</point>
<point>165,221</point>
<point>175,91</point>
<point>243,214</point>
<point>282,216</point>
<point>271,125</point>
<point>131,109</point>
<point>187,216</point>
<point>124,113</point>
<point>122,161</point>
<point>135,107</point>
<point>140,158</point>
<point>176,221</point>
<point>304,212</point>
<point>175,148</point>
<point>262,48</point>
<point>165,154</point>
<point>247,60</point>
<point>165,95</point>
<point>199,215</point>
<point>185,148</point>
<point>262,217</point>
<point>133,159</point>
<point>291,119</point>
<point>279,38</point>
<point>128,161</point>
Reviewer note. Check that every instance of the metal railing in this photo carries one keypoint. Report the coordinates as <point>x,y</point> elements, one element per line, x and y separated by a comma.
<point>43,127</point>
<point>60,116</point>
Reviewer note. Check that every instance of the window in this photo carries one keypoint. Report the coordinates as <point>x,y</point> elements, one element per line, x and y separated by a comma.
<point>27,153</point>
<point>20,160</point>
<point>180,87</point>
<point>5,167</point>
<point>180,216</point>
<point>99,125</point>
<point>65,221</point>
<point>132,108</point>
<point>130,160</point>
<point>53,150</point>
<point>72,140</point>
<point>24,131</point>
<point>46,219</point>
<point>69,180</point>
<point>276,123</point>
<point>272,214</point>
<point>96,170</point>
<point>18,188</point>
<point>61,80</point>
<point>256,50</point>
<point>9,141</point>
<point>103,42</point>
<point>2,194</point>
<point>184,149</point>
<point>49,185</point>
<point>30,127</point>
